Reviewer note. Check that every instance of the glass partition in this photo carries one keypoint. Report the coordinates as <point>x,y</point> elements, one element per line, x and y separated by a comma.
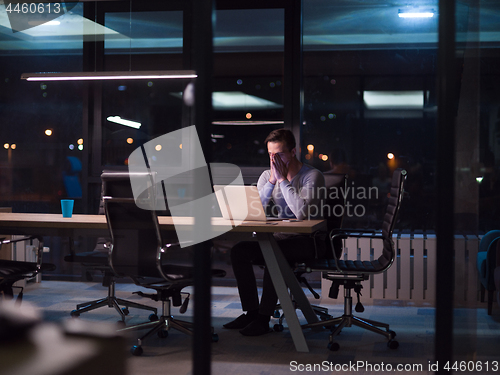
<point>477,185</point>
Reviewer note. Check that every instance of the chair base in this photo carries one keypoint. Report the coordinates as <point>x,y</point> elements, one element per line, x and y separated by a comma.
<point>111,301</point>
<point>161,327</point>
<point>348,320</point>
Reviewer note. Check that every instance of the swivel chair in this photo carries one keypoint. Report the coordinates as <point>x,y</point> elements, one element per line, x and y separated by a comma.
<point>486,262</point>
<point>12,270</point>
<point>139,252</point>
<point>98,260</point>
<point>350,273</point>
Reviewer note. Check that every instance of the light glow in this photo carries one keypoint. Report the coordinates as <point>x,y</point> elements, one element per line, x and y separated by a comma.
<point>390,156</point>
<point>416,14</point>
<point>393,99</point>
<point>121,121</point>
<point>48,132</point>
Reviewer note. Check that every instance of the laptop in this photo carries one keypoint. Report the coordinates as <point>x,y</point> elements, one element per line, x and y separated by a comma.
<point>241,203</point>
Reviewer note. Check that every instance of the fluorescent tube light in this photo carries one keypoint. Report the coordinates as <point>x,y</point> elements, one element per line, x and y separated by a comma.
<point>92,76</point>
<point>121,121</point>
<point>248,122</point>
<point>394,99</point>
<point>415,14</point>
<point>229,100</point>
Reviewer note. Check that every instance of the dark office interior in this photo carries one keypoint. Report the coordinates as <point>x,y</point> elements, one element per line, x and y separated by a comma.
<point>359,87</point>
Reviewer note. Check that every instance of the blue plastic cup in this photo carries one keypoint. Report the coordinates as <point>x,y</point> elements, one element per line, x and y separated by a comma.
<point>67,207</point>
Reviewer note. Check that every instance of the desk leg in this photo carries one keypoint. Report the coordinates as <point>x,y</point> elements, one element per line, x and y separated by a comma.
<point>280,271</point>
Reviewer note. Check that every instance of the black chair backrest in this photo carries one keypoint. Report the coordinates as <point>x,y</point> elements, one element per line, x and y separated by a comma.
<point>333,209</point>
<point>335,201</point>
<point>390,217</point>
<point>135,235</point>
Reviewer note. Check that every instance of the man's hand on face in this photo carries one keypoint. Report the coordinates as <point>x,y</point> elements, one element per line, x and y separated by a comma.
<point>279,168</point>
<point>272,179</point>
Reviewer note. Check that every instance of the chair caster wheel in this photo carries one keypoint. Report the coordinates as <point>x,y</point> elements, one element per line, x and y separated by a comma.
<point>333,346</point>
<point>278,328</point>
<point>162,334</point>
<point>215,337</point>
<point>75,314</point>
<point>393,334</point>
<point>125,311</point>
<point>153,318</point>
<point>136,350</point>
<point>393,344</point>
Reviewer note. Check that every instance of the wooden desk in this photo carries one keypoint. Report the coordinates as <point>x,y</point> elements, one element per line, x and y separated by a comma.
<point>281,274</point>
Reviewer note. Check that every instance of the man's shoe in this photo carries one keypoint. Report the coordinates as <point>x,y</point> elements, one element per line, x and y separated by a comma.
<point>240,322</point>
<point>256,328</point>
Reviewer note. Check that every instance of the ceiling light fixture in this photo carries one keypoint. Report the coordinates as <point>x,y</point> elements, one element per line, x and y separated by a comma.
<point>93,76</point>
<point>390,100</point>
<point>248,122</point>
<point>415,13</point>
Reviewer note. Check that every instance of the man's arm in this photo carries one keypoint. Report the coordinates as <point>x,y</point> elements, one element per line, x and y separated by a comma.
<point>305,203</point>
<point>265,188</point>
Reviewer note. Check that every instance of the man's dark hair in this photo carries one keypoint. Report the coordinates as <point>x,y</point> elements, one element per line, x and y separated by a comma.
<point>282,135</point>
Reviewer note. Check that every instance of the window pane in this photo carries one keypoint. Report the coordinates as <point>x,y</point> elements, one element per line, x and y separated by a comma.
<point>40,162</point>
<point>248,85</point>
<point>146,40</point>
<point>369,93</point>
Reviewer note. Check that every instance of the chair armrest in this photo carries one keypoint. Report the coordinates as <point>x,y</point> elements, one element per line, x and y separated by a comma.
<point>352,233</point>
<point>354,230</point>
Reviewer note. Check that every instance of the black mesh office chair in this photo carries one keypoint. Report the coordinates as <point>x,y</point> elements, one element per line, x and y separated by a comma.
<point>98,260</point>
<point>351,272</point>
<point>333,208</point>
<point>12,271</point>
<point>138,251</point>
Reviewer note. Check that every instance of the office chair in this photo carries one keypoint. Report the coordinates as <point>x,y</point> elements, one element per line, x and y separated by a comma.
<point>351,272</point>
<point>98,260</point>
<point>138,251</point>
<point>333,208</point>
<point>12,270</point>
<point>486,262</point>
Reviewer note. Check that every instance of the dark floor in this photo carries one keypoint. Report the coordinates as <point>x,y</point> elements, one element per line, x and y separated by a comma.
<point>477,337</point>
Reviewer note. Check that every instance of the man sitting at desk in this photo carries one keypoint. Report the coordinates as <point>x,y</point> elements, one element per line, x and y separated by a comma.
<point>294,188</point>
